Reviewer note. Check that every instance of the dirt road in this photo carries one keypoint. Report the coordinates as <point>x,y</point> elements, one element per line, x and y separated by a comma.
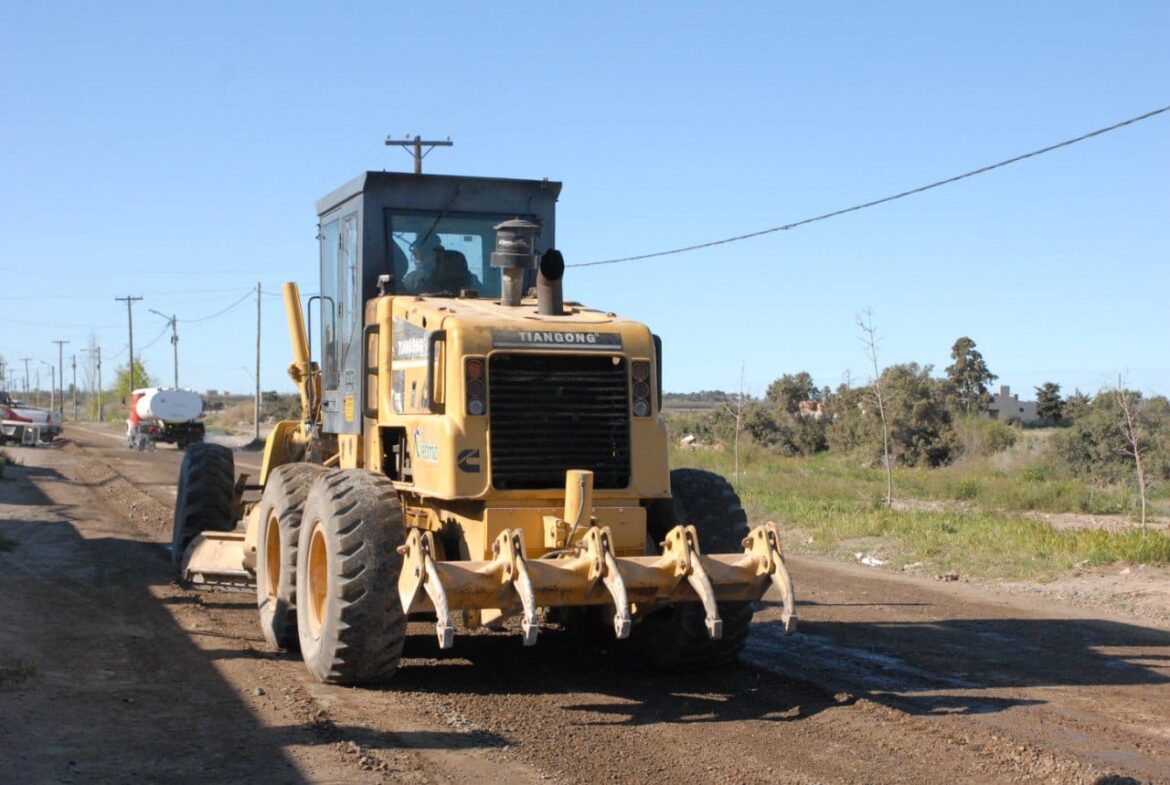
<point>110,672</point>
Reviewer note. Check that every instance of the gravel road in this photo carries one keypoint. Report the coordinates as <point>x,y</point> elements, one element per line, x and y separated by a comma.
<point>891,679</point>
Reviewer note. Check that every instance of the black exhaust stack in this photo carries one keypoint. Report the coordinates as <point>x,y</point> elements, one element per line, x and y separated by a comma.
<point>550,298</point>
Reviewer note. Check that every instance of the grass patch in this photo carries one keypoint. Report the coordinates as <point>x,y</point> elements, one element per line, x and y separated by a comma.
<point>15,674</point>
<point>978,528</point>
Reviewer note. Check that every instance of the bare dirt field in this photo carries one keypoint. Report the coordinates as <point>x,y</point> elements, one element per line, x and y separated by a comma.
<point>110,672</point>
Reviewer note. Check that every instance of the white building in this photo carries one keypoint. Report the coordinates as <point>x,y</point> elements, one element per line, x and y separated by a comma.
<point>1008,407</point>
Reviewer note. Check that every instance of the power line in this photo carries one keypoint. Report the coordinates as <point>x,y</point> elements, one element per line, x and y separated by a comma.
<point>247,294</point>
<point>154,340</point>
<point>82,296</point>
<point>884,199</point>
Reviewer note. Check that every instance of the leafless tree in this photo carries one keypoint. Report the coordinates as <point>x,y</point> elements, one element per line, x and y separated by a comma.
<point>1133,443</point>
<point>736,408</point>
<point>870,339</point>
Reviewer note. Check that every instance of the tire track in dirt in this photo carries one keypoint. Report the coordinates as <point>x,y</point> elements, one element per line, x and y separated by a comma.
<point>575,712</point>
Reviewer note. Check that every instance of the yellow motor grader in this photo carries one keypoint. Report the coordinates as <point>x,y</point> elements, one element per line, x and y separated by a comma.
<point>471,448</point>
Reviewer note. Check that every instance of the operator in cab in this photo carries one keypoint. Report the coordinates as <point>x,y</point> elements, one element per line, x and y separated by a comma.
<point>438,270</point>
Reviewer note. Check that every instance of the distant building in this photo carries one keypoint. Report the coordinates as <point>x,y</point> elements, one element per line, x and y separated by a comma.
<point>1008,407</point>
<point>814,409</point>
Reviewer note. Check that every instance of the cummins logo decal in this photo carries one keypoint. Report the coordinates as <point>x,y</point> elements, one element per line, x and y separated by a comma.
<point>468,461</point>
<point>547,339</point>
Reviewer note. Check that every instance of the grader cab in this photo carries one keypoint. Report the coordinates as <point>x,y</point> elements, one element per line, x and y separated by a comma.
<point>472,448</point>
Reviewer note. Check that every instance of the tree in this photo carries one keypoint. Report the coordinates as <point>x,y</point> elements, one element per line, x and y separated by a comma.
<point>122,381</point>
<point>870,339</point>
<point>790,390</point>
<point>850,428</point>
<point>736,408</point>
<point>919,424</point>
<point>968,377</point>
<point>1100,444</point>
<point>922,431</point>
<point>1128,402</point>
<point>1076,406</point>
<point>787,434</point>
<point>1049,404</point>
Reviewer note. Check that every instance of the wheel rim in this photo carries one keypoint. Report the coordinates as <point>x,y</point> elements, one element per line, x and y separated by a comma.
<point>317,579</point>
<point>272,564</point>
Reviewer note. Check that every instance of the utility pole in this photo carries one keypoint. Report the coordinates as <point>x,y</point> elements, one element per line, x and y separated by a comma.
<point>97,357</point>
<point>417,144</point>
<point>174,321</point>
<point>101,413</point>
<point>257,361</point>
<point>61,376</point>
<point>130,317</point>
<point>75,388</point>
<point>52,384</point>
<point>26,361</point>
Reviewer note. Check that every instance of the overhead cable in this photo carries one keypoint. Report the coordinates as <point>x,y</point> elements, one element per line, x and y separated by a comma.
<point>884,199</point>
<point>247,294</point>
<point>162,332</point>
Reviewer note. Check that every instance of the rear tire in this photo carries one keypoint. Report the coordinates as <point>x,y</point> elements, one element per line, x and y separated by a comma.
<point>276,550</point>
<point>350,622</point>
<point>675,638</point>
<point>205,498</point>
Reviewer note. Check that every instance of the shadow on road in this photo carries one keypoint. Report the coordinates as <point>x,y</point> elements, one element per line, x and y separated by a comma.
<point>944,667</point>
<point>123,692</point>
<point>629,692</point>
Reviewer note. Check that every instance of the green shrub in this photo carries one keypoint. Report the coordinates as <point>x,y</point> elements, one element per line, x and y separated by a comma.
<point>981,436</point>
<point>967,490</point>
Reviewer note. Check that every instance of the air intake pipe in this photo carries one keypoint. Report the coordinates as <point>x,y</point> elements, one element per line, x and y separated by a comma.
<point>514,254</point>
<point>550,298</point>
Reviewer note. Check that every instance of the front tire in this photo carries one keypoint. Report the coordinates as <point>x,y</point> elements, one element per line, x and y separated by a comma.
<point>276,550</point>
<point>205,499</point>
<point>350,622</point>
<point>675,638</point>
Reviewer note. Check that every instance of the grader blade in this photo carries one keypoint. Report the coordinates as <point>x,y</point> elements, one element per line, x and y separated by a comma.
<point>590,574</point>
<point>214,560</point>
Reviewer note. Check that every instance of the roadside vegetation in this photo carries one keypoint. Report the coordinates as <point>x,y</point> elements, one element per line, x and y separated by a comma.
<point>969,491</point>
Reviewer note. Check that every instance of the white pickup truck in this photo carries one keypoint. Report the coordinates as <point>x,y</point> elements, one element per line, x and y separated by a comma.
<point>26,424</point>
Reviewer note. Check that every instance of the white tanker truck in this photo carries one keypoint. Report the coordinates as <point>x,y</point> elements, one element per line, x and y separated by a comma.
<point>163,415</point>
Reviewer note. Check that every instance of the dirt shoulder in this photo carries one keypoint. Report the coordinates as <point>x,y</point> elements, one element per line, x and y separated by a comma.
<point>892,678</point>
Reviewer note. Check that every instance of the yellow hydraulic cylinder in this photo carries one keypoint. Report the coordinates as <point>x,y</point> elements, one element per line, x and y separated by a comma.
<point>578,498</point>
<point>296,327</point>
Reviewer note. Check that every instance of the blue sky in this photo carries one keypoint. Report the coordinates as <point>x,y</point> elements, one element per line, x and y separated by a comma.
<point>176,153</point>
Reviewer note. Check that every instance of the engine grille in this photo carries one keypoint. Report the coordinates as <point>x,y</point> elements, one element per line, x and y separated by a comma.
<point>550,413</point>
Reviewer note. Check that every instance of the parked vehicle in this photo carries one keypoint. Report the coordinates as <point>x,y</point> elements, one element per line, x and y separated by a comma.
<point>26,425</point>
